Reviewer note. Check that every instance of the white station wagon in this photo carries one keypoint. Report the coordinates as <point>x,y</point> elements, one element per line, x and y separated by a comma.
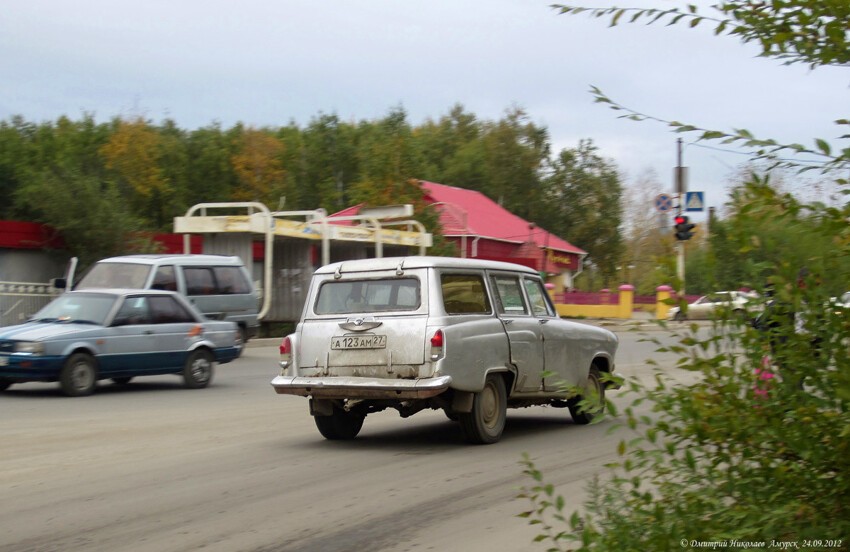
<point>470,337</point>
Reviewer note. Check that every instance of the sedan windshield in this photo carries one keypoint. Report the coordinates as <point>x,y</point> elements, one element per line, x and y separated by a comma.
<point>81,308</point>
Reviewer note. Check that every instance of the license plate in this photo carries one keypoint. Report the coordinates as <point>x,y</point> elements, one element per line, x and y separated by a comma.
<point>359,342</point>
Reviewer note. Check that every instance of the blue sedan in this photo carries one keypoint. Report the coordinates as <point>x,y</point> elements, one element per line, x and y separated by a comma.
<point>85,336</point>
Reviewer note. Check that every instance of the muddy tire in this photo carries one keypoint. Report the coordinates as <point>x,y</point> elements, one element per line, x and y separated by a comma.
<point>484,425</point>
<point>595,391</point>
<point>339,426</point>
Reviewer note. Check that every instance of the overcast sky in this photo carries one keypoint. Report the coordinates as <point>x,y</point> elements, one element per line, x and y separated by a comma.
<point>269,62</point>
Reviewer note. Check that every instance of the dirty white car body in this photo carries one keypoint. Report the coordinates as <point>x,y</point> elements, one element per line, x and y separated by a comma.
<point>467,336</point>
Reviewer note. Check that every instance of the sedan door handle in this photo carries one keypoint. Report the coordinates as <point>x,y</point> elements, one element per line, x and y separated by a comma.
<point>508,321</point>
<point>543,320</point>
<point>148,332</point>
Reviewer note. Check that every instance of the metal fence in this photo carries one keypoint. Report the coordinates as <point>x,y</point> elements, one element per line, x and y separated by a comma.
<point>20,300</point>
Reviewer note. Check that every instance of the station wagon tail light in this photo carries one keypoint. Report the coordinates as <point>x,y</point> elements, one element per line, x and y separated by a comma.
<point>285,352</point>
<point>437,345</point>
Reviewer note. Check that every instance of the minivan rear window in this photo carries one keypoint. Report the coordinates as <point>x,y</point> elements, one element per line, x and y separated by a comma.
<point>116,275</point>
<point>364,296</point>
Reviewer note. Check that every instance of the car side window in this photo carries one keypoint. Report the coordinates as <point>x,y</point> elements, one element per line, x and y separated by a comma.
<point>199,280</point>
<point>509,295</point>
<point>230,280</point>
<point>464,294</point>
<point>165,279</point>
<point>537,296</point>
<point>166,310</point>
<point>134,311</point>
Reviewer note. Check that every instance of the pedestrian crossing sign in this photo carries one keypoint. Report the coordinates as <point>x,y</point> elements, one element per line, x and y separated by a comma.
<point>694,201</point>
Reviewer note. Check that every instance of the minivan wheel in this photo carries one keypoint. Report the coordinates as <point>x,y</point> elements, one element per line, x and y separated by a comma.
<point>198,371</point>
<point>485,423</point>
<point>79,375</point>
<point>339,426</point>
<point>595,391</point>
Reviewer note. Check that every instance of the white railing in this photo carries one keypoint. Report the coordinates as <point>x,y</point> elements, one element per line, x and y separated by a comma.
<point>20,300</point>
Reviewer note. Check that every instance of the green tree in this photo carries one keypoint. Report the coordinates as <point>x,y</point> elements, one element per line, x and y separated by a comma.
<point>88,212</point>
<point>259,169</point>
<point>326,164</point>
<point>388,162</point>
<point>16,160</point>
<point>445,146</point>
<point>515,151</point>
<point>173,160</point>
<point>133,154</point>
<point>209,174</point>
<point>584,199</point>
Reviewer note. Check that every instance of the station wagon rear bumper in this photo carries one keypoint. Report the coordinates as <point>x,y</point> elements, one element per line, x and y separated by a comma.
<point>360,387</point>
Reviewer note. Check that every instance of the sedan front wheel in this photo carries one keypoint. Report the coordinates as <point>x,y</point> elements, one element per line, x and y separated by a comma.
<point>79,375</point>
<point>198,371</point>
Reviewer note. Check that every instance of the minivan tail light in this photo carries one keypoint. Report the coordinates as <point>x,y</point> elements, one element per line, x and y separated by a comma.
<point>437,345</point>
<point>285,352</point>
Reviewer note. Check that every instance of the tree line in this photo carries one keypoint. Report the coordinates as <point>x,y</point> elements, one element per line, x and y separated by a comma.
<point>101,182</point>
<point>104,185</point>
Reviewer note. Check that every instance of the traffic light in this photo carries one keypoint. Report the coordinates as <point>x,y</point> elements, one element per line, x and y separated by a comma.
<point>684,229</point>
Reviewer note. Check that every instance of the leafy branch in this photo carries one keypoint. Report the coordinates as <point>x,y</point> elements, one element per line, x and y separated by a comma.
<point>801,31</point>
<point>807,31</point>
<point>824,157</point>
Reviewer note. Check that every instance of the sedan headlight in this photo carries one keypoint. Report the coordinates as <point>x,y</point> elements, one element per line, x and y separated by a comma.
<point>29,347</point>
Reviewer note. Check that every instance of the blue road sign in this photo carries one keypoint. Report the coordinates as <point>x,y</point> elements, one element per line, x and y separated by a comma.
<point>694,201</point>
<point>663,202</point>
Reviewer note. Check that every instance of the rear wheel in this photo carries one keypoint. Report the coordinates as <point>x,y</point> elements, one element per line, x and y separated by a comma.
<point>4,384</point>
<point>198,371</point>
<point>339,426</point>
<point>594,394</point>
<point>484,425</point>
<point>679,317</point>
<point>79,375</point>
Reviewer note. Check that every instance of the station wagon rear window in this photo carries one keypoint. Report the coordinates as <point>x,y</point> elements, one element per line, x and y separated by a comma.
<point>359,296</point>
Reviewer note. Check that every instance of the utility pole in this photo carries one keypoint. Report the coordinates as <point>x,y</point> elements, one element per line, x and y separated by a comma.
<point>680,177</point>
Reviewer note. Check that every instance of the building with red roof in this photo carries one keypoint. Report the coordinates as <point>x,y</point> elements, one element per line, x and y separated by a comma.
<point>483,229</point>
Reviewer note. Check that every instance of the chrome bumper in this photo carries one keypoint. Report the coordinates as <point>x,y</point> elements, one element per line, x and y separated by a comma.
<point>360,388</point>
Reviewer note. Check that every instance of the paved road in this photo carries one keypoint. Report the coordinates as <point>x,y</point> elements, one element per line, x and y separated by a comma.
<point>235,467</point>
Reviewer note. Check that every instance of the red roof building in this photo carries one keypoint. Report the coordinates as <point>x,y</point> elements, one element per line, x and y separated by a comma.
<point>483,229</point>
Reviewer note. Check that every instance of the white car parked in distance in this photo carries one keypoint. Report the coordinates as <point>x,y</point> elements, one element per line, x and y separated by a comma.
<point>714,305</point>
